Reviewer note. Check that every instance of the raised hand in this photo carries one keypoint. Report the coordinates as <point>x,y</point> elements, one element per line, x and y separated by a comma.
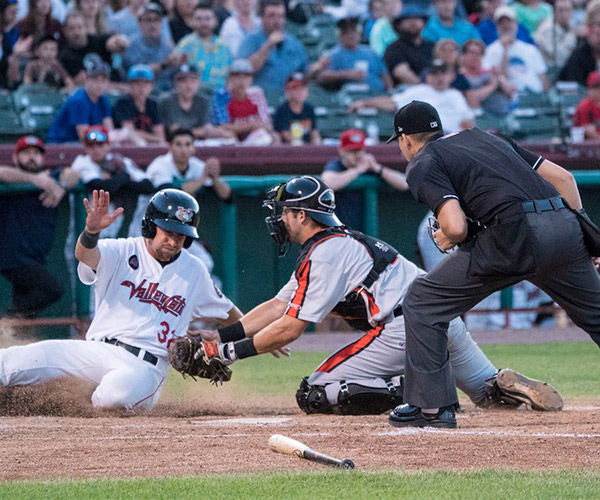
<point>98,216</point>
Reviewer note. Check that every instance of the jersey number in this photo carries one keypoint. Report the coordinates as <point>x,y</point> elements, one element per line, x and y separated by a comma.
<point>164,333</point>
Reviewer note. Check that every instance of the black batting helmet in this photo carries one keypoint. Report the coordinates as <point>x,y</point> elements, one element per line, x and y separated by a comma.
<point>301,193</point>
<point>172,210</point>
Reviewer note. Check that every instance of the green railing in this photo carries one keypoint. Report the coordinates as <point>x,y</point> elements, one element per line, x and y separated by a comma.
<point>228,229</point>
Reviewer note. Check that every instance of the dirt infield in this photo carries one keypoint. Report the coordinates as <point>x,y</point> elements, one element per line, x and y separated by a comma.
<point>53,432</point>
<point>194,443</point>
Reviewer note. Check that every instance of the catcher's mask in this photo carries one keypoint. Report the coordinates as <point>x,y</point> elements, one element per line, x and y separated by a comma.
<point>300,193</point>
<point>172,210</point>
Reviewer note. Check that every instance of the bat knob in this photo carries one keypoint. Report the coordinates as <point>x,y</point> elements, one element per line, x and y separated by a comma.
<point>347,464</point>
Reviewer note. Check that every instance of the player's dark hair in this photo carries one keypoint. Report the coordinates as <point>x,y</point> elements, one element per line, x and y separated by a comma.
<point>179,131</point>
<point>267,3</point>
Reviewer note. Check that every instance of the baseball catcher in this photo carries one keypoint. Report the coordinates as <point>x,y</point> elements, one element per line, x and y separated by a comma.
<point>364,280</point>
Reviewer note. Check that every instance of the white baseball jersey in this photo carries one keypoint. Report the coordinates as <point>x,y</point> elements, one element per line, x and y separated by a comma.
<point>163,171</point>
<point>143,304</point>
<point>336,266</point>
<point>138,302</point>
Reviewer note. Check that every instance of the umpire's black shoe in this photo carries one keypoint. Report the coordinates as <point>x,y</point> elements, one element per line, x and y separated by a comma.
<point>411,416</point>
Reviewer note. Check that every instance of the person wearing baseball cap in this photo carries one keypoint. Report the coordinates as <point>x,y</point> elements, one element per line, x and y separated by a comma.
<point>410,54</point>
<point>137,111</point>
<point>526,68</point>
<point>87,106</point>
<point>295,120</point>
<point>28,224</point>
<point>185,107</point>
<point>241,108</point>
<point>512,214</point>
<point>352,161</point>
<point>100,168</point>
<point>416,117</point>
<point>587,113</point>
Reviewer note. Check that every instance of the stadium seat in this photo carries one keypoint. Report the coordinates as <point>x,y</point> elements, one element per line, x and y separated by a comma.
<point>6,100</point>
<point>11,126</point>
<point>38,95</point>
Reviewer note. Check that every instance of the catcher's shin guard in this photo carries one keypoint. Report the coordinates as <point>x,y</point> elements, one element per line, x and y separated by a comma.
<point>312,398</point>
<point>372,397</point>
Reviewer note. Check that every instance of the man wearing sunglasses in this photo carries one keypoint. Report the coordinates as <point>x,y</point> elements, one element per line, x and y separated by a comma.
<point>114,173</point>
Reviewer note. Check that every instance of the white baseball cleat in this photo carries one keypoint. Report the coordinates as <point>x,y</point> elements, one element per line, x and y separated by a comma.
<point>539,395</point>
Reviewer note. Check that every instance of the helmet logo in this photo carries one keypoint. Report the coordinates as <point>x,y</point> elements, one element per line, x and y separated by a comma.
<point>185,215</point>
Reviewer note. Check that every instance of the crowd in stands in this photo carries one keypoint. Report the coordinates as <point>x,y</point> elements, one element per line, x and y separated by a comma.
<point>180,73</point>
<point>222,68</point>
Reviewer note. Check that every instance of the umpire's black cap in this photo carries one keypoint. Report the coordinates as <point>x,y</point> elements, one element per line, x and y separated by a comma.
<point>414,118</point>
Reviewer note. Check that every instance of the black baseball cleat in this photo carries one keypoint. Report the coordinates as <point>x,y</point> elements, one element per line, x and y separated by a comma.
<point>411,416</point>
<point>539,395</point>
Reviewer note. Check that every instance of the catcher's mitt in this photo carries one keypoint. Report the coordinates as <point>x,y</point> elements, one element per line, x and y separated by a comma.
<point>191,356</point>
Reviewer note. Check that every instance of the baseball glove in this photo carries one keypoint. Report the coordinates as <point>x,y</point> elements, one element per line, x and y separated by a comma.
<point>191,356</point>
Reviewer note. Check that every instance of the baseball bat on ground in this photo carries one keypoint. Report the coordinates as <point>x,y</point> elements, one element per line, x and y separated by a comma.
<point>289,446</point>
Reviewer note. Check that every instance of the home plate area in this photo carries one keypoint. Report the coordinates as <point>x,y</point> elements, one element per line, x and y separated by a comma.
<point>49,447</point>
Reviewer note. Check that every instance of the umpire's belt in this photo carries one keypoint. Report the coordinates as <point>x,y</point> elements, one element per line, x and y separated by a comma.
<point>150,358</point>
<point>398,311</point>
<point>555,203</point>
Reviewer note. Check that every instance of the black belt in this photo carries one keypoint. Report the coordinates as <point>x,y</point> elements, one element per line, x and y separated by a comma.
<point>398,311</point>
<point>150,358</point>
<point>555,203</point>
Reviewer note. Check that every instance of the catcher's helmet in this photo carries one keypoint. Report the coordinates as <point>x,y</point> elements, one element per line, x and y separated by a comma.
<point>301,193</point>
<point>172,210</point>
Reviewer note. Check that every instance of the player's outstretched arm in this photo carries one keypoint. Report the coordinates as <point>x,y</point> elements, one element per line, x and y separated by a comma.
<point>279,334</point>
<point>262,315</point>
<point>98,218</point>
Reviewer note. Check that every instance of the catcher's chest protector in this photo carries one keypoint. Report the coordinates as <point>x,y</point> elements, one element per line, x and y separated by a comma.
<point>354,306</point>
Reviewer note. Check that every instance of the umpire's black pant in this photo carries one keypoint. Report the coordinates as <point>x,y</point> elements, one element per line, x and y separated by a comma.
<point>549,242</point>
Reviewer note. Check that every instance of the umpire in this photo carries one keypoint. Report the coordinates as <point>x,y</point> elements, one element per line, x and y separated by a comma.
<point>526,231</point>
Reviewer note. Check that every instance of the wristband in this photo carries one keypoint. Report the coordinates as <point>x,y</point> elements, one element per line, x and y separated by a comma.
<point>244,348</point>
<point>380,173</point>
<point>232,333</point>
<point>89,240</point>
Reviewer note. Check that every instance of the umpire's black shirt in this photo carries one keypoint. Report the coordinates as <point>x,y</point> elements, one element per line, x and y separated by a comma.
<point>484,172</point>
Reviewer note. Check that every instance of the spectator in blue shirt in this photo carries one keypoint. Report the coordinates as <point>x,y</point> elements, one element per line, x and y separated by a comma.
<point>350,62</point>
<point>445,24</point>
<point>274,54</point>
<point>87,106</point>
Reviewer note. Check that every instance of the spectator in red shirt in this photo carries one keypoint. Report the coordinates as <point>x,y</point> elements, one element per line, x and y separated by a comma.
<point>242,108</point>
<point>587,114</point>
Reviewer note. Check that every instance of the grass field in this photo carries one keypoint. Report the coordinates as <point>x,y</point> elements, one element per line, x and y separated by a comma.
<point>325,485</point>
<point>573,368</point>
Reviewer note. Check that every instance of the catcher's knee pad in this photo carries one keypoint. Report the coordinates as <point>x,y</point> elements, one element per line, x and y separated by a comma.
<point>312,398</point>
<point>371,397</point>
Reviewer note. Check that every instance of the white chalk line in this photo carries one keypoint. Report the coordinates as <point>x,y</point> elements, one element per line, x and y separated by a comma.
<point>411,431</point>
